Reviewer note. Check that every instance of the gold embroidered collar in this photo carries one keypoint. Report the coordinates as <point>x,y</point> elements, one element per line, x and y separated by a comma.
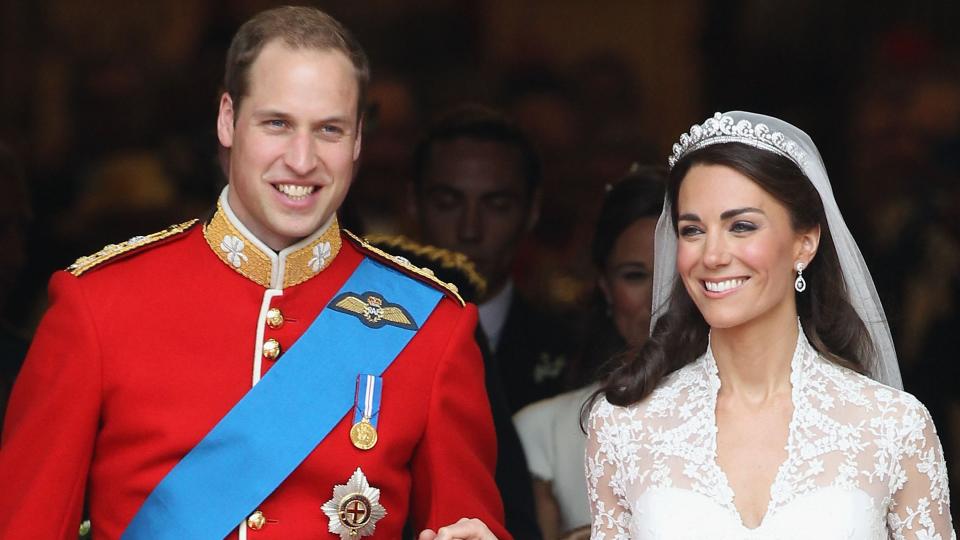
<point>239,249</point>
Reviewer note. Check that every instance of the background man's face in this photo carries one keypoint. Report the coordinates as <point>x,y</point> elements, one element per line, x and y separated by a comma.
<point>474,200</point>
<point>293,142</point>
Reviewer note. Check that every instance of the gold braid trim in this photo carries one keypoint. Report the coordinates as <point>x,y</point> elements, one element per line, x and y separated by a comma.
<point>239,253</point>
<point>425,273</point>
<point>443,257</point>
<point>304,264</point>
<point>111,251</point>
<point>252,263</point>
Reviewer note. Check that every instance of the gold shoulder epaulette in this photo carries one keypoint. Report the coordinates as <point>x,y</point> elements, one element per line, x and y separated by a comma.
<point>111,251</point>
<point>444,258</point>
<point>425,273</point>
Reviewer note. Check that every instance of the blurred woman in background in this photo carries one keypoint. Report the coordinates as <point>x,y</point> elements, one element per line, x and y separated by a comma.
<point>619,319</point>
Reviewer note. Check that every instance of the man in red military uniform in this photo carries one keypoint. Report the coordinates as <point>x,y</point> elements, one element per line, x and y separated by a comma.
<point>151,367</point>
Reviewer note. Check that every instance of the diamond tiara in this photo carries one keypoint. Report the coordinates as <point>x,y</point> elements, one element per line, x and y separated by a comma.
<point>724,129</point>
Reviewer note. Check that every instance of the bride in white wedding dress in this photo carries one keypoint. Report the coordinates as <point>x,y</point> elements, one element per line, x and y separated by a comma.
<point>766,404</point>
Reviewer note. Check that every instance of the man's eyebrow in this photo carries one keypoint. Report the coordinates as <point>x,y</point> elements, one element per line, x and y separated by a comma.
<point>272,113</point>
<point>506,192</point>
<point>335,119</point>
<point>276,113</point>
<point>434,187</point>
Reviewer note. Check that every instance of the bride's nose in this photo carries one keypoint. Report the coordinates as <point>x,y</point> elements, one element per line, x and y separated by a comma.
<point>716,252</point>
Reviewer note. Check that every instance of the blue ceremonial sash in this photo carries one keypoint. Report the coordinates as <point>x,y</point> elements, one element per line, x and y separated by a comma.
<point>269,432</point>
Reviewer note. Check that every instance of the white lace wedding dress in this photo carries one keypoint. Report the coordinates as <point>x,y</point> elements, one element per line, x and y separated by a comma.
<point>863,462</point>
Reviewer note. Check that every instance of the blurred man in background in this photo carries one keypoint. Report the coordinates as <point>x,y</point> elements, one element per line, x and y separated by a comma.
<point>477,191</point>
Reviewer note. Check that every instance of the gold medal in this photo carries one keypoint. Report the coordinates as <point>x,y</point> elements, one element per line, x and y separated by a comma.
<point>363,435</point>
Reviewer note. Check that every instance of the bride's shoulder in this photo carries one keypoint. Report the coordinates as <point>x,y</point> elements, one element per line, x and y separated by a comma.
<point>676,394</point>
<point>851,390</point>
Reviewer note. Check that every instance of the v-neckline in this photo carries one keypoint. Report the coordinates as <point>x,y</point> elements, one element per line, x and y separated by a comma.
<point>729,501</point>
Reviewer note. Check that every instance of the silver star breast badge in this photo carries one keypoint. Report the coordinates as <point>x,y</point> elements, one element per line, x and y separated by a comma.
<point>355,508</point>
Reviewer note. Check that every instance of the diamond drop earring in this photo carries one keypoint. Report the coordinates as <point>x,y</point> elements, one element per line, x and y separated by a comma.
<point>800,284</point>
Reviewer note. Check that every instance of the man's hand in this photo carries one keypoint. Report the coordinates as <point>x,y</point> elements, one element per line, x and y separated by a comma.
<point>465,529</point>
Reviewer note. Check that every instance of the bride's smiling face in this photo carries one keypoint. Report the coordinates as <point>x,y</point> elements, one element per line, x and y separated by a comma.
<point>737,248</point>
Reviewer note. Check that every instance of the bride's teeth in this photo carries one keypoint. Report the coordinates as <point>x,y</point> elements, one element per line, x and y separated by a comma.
<point>722,286</point>
<point>295,192</point>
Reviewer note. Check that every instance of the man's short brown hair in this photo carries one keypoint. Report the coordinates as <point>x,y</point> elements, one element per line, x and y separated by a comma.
<point>299,27</point>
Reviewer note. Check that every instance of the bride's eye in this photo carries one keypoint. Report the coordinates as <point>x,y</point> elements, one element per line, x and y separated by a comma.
<point>742,227</point>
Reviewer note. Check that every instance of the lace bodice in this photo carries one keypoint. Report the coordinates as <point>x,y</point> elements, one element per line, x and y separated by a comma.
<point>863,462</point>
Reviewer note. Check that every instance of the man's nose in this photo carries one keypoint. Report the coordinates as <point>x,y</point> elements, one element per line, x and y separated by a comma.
<point>301,155</point>
<point>470,227</point>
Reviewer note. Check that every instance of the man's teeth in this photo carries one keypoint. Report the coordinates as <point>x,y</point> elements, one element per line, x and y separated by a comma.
<point>295,192</point>
<point>721,286</point>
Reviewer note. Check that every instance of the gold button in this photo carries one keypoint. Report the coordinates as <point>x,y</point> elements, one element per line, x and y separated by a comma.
<point>256,521</point>
<point>271,349</point>
<point>274,318</point>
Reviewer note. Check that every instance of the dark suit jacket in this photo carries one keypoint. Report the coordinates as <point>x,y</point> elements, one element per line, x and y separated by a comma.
<point>512,476</point>
<point>535,347</point>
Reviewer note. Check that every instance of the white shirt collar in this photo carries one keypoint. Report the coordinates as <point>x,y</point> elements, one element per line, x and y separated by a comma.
<point>493,314</point>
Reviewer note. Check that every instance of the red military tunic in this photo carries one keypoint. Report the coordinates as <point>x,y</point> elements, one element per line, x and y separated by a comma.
<point>138,358</point>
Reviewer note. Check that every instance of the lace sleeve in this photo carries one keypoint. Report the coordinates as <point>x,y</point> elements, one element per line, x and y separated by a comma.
<point>920,508</point>
<point>609,508</point>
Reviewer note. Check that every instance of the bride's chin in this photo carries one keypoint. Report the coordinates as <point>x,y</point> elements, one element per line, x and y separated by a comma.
<point>723,321</point>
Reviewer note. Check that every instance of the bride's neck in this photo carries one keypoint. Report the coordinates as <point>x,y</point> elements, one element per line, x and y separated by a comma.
<point>753,359</point>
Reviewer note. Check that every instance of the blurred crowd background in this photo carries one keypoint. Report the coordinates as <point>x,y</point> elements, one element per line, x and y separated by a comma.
<point>107,111</point>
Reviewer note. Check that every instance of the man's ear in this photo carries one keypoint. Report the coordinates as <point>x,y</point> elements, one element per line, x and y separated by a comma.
<point>533,216</point>
<point>225,120</point>
<point>357,140</point>
<point>808,242</point>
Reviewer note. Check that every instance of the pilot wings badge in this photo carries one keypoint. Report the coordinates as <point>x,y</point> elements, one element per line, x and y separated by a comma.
<point>373,310</point>
<point>355,508</point>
